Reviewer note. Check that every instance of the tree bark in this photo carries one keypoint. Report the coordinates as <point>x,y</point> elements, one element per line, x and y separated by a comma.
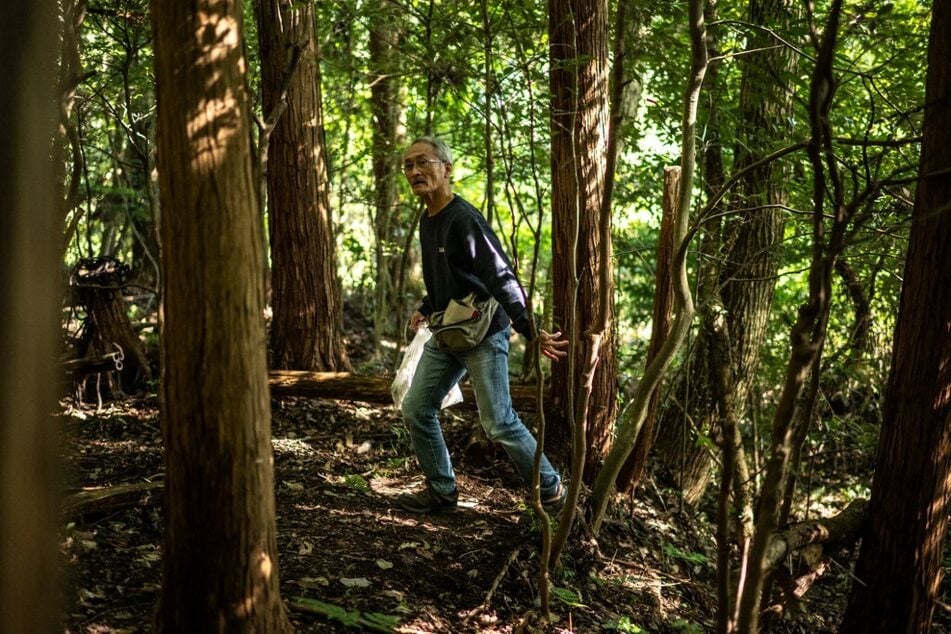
<point>371,389</point>
<point>579,126</point>
<point>630,427</point>
<point>219,564</point>
<point>389,230</point>
<point>307,310</point>
<point>808,332</point>
<point>751,248</point>
<point>899,567</point>
<point>30,232</point>
<point>96,284</point>
<point>661,319</point>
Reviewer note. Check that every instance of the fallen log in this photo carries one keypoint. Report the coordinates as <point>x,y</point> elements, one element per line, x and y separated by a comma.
<point>111,499</point>
<point>843,527</point>
<point>78,368</point>
<point>814,541</point>
<point>346,386</point>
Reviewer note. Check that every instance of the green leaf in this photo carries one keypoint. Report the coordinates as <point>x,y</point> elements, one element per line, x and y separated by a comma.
<point>569,597</point>
<point>694,558</point>
<point>350,618</point>
<point>622,624</point>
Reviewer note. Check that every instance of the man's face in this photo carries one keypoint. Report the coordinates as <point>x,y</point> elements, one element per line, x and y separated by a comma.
<point>424,171</point>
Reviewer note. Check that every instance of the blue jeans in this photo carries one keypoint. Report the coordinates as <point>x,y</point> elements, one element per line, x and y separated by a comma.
<point>488,368</point>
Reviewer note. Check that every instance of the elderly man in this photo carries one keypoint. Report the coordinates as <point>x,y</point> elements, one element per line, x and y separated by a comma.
<point>461,255</point>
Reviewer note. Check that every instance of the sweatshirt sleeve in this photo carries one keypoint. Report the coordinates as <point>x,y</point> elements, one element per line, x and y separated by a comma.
<point>426,306</point>
<point>492,267</point>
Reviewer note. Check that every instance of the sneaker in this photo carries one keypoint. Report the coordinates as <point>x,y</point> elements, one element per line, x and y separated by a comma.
<point>556,501</point>
<point>428,501</point>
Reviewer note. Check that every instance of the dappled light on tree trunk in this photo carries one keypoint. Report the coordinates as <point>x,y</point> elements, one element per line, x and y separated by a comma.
<point>214,371</point>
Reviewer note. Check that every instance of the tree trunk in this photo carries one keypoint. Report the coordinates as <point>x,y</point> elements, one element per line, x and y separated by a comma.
<point>752,243</point>
<point>67,147</point>
<point>899,568</point>
<point>219,565</point>
<point>860,337</point>
<point>808,333</point>
<point>630,426</point>
<point>389,232</point>
<point>89,504</point>
<point>108,331</point>
<point>306,323</point>
<point>579,123</point>
<point>661,319</point>
<point>630,29</point>
<point>30,230</point>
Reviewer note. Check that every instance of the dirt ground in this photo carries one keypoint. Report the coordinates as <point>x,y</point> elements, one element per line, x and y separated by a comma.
<point>368,567</point>
<point>338,467</point>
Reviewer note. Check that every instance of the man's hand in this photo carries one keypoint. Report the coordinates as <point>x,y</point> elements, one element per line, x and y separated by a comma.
<point>418,319</point>
<point>552,345</point>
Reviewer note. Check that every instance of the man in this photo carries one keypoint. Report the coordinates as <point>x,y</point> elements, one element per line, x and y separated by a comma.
<point>461,255</point>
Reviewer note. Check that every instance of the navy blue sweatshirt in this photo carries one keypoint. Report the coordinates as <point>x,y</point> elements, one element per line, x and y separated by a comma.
<point>461,254</point>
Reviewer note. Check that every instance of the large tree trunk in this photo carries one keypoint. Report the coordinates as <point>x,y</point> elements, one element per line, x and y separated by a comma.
<point>29,234</point>
<point>306,326</point>
<point>751,256</point>
<point>219,565</point>
<point>579,84</point>
<point>898,571</point>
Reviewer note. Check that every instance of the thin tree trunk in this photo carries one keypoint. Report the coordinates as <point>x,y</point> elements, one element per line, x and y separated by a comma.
<point>385,35</point>
<point>661,319</point>
<point>219,563</point>
<point>808,333</point>
<point>860,339</point>
<point>68,139</point>
<point>630,427</point>
<point>707,286</point>
<point>734,505</point>
<point>489,79</point>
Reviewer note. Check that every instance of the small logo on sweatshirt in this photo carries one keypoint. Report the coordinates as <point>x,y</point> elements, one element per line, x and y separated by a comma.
<point>442,249</point>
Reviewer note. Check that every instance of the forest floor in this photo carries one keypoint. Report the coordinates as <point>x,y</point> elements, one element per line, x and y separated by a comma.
<point>368,566</point>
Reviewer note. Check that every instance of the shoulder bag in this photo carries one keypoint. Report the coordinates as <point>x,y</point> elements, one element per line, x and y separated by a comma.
<point>462,326</point>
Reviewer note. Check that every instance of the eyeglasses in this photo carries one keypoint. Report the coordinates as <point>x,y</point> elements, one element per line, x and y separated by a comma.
<point>420,164</point>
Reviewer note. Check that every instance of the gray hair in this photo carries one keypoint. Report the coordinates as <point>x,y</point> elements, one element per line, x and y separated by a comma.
<point>440,149</point>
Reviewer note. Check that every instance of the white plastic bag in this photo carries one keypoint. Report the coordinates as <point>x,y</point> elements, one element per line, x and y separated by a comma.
<point>404,374</point>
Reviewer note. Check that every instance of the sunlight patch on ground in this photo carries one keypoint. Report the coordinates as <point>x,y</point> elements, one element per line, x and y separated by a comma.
<point>828,500</point>
<point>121,445</point>
<point>292,446</point>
